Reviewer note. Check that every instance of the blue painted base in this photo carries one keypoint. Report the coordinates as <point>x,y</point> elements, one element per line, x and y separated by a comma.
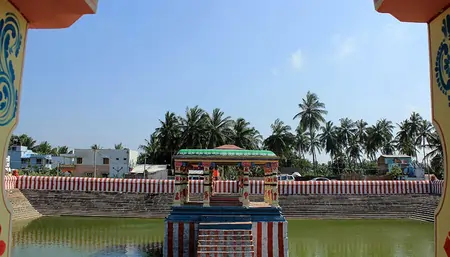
<point>200,214</point>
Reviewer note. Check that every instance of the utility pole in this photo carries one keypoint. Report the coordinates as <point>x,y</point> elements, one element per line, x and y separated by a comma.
<point>145,162</point>
<point>95,163</point>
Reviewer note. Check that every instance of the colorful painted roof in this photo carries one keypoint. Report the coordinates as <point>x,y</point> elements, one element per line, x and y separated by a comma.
<point>224,153</point>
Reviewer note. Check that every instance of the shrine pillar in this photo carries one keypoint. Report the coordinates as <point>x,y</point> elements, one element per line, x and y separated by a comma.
<point>246,184</point>
<point>185,183</point>
<point>178,185</point>
<point>16,17</point>
<point>206,184</point>
<point>241,183</point>
<point>274,189</point>
<point>267,184</point>
<point>437,15</point>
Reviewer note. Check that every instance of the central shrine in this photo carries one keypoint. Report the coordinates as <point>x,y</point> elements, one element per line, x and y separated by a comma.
<point>225,224</point>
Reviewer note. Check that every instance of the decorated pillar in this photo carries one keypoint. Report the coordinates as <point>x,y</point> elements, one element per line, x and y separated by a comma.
<point>267,182</point>
<point>15,18</point>
<point>184,183</point>
<point>246,188</point>
<point>274,188</point>
<point>206,183</point>
<point>240,170</point>
<point>437,15</point>
<point>177,194</point>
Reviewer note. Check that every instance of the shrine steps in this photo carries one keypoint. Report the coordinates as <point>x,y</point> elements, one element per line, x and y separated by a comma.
<point>225,200</point>
<point>220,214</point>
<point>225,240</point>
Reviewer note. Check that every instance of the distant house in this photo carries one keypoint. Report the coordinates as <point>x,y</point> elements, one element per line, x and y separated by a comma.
<point>113,163</point>
<point>23,158</point>
<point>386,162</point>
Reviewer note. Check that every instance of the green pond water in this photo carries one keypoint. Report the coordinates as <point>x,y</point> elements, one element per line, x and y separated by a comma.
<point>100,237</point>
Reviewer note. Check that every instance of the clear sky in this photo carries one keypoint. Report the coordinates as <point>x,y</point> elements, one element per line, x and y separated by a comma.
<point>111,76</point>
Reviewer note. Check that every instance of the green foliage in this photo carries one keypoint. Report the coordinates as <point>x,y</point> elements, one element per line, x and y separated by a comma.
<point>395,172</point>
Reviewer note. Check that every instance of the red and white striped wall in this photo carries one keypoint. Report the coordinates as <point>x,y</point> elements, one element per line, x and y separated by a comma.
<point>270,239</point>
<point>437,186</point>
<point>357,187</point>
<point>10,182</point>
<point>96,184</point>
<point>157,186</point>
<point>180,239</point>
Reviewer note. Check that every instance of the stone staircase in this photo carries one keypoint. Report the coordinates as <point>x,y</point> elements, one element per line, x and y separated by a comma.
<point>354,207</point>
<point>424,213</point>
<point>225,240</point>
<point>225,200</point>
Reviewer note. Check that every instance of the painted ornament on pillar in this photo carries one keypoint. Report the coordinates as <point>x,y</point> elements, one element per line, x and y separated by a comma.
<point>442,65</point>
<point>206,196</point>
<point>177,196</point>
<point>2,244</point>
<point>246,195</point>
<point>10,43</point>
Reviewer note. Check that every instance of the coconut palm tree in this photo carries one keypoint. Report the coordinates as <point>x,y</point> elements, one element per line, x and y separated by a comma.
<point>301,141</point>
<point>329,139</point>
<point>281,140</point>
<point>311,115</point>
<point>118,146</point>
<point>218,128</point>
<point>96,147</point>
<point>312,112</point>
<point>425,131</point>
<point>194,128</point>
<point>315,146</point>
<point>245,136</point>
<point>44,148</point>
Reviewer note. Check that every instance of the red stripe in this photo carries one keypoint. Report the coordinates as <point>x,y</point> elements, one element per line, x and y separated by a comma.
<point>192,239</point>
<point>170,239</point>
<point>269,239</point>
<point>180,239</point>
<point>280,240</point>
<point>259,239</point>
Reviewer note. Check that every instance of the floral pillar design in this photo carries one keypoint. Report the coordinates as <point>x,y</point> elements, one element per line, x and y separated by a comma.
<point>185,184</point>
<point>241,182</point>
<point>274,191</point>
<point>13,29</point>
<point>206,184</point>
<point>246,189</point>
<point>178,187</point>
<point>267,182</point>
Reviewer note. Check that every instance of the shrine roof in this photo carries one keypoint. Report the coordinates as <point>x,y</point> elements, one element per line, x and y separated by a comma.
<point>226,154</point>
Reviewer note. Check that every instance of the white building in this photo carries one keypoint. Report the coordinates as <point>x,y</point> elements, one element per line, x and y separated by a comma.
<point>8,164</point>
<point>111,163</point>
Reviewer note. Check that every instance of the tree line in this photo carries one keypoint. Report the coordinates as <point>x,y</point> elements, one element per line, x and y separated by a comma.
<point>351,145</point>
<point>44,147</point>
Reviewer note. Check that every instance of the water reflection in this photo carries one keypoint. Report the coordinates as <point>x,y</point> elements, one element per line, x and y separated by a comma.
<point>103,237</point>
<point>70,237</point>
<point>355,238</point>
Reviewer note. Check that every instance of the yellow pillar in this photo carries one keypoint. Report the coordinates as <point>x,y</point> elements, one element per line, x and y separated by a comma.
<point>206,184</point>
<point>246,189</point>
<point>274,189</point>
<point>267,184</point>
<point>177,194</point>
<point>439,38</point>
<point>13,31</point>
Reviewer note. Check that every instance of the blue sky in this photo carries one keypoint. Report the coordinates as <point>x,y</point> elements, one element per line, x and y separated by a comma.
<point>111,76</point>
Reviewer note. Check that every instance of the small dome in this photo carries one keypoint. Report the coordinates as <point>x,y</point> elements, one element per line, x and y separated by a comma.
<point>229,147</point>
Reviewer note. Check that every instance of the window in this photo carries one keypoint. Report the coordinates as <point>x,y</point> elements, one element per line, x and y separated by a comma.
<point>89,174</point>
<point>117,159</point>
<point>124,159</point>
<point>79,160</point>
<point>38,161</point>
<point>105,160</point>
<point>24,161</point>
